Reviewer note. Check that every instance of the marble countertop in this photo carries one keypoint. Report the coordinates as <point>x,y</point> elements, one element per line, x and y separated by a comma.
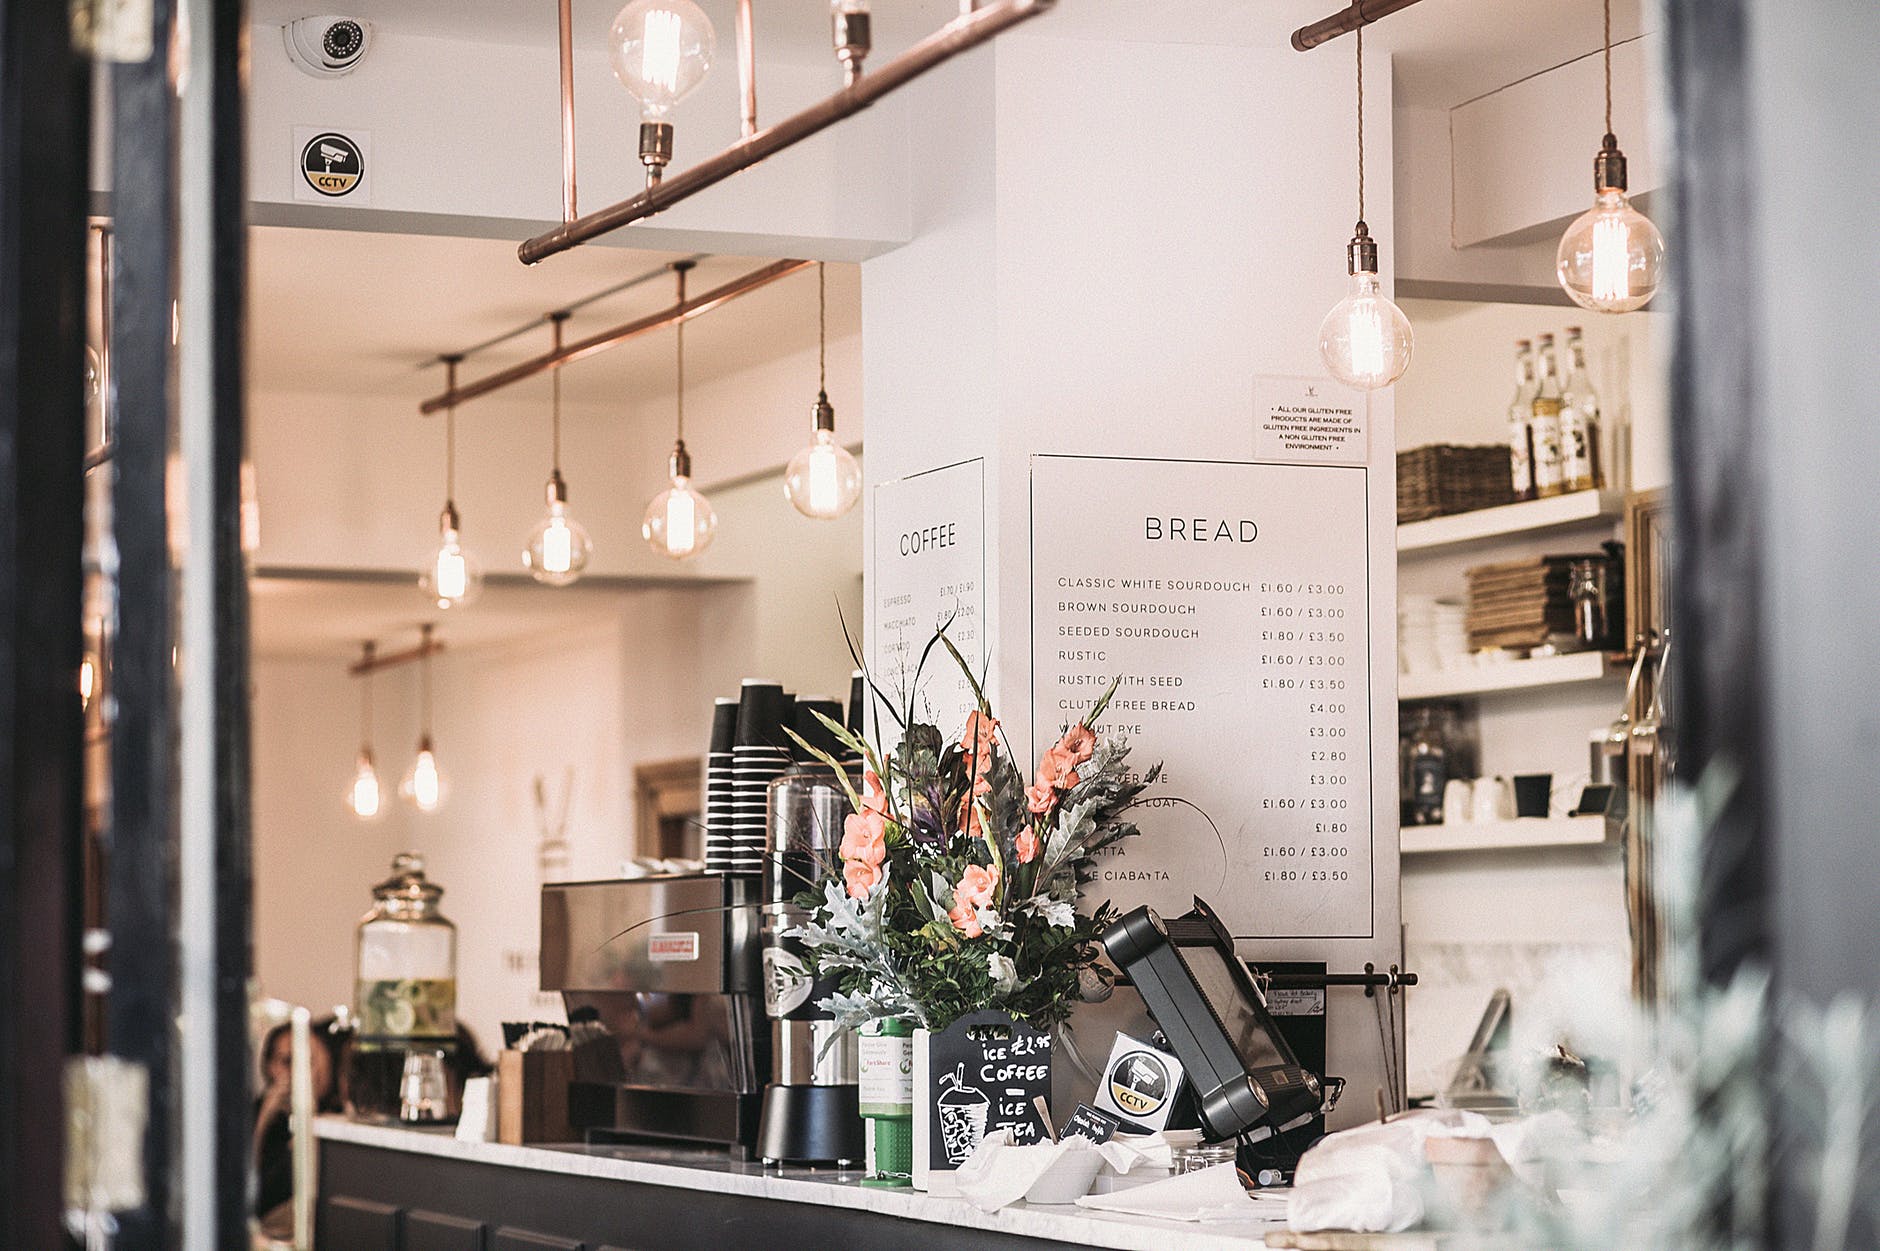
<point>717,1172</point>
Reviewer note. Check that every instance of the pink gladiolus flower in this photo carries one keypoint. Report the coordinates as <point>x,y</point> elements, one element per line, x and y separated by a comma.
<point>1039,797</point>
<point>976,886</point>
<point>1027,846</point>
<point>860,877</point>
<point>874,796</point>
<point>965,920</point>
<point>1077,745</point>
<point>980,740</point>
<point>864,839</point>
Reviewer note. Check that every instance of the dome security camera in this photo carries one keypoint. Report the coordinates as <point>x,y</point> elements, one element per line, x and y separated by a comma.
<point>327,47</point>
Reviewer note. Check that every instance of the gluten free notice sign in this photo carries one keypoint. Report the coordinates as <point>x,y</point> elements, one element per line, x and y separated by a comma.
<point>1308,421</point>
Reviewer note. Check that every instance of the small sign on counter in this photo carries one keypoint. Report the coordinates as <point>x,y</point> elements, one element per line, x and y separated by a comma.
<point>980,1074</point>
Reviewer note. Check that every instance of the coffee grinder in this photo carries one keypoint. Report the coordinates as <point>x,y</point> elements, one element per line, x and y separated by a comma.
<point>812,1107</point>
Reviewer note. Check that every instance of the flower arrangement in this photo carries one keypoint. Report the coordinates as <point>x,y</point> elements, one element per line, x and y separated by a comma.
<point>958,881</point>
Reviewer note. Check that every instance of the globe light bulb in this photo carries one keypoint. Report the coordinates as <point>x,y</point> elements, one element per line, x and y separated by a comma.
<point>424,784</point>
<point>559,546</point>
<point>363,795</point>
<point>454,578</point>
<point>679,522</point>
<point>823,481</point>
<point>1612,258</point>
<point>661,50</point>
<point>1365,340</point>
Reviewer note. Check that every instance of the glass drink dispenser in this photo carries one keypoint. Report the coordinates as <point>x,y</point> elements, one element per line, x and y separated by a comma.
<point>405,985</point>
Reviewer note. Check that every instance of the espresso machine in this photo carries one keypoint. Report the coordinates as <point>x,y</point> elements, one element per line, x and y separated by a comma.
<point>812,1108</point>
<point>660,978</point>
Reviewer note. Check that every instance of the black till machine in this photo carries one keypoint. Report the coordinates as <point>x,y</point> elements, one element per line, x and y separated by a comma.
<point>1248,1084</point>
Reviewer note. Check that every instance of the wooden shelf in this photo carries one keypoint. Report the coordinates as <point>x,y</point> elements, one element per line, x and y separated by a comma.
<point>1484,524</point>
<point>1510,675</point>
<point>1513,835</point>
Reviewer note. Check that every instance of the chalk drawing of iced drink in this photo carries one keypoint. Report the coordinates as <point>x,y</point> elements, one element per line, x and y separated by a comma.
<point>963,1111</point>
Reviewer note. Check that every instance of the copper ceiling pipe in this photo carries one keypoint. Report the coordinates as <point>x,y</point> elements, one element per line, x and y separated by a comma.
<point>371,661</point>
<point>568,211</point>
<point>747,69</point>
<point>581,348</point>
<point>962,34</point>
<point>1359,13</point>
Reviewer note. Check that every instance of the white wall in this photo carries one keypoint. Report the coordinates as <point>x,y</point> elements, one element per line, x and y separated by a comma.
<point>314,863</point>
<point>468,134</point>
<point>1119,223</point>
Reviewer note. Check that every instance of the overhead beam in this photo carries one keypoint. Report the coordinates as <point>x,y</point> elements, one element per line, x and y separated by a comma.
<point>580,349</point>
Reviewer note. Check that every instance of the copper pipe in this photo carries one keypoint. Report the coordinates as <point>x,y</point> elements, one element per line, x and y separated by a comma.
<point>1359,13</point>
<point>686,310</point>
<point>372,662</point>
<point>962,34</point>
<point>568,211</point>
<point>747,67</point>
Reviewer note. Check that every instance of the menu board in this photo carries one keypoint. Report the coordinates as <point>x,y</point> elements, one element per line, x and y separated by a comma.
<point>1232,599</point>
<point>929,572</point>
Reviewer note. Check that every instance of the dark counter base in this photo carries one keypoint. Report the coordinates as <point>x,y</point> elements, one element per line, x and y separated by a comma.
<point>377,1200</point>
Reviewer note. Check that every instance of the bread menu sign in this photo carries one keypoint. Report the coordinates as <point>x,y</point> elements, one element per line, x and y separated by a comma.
<point>1232,598</point>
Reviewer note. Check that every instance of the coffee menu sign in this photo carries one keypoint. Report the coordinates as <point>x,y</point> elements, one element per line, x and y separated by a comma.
<point>1233,600</point>
<point>929,570</point>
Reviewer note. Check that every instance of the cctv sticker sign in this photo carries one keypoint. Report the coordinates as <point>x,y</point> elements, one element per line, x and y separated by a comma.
<point>331,166</point>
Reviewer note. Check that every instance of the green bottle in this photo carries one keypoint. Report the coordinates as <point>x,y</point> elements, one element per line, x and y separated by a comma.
<point>886,1052</point>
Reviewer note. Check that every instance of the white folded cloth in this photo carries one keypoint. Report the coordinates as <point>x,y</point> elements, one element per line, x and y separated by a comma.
<point>1209,1194</point>
<point>1000,1173</point>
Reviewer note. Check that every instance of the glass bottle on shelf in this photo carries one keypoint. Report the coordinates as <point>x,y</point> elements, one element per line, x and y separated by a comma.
<point>1586,590</point>
<point>1579,420</point>
<point>405,985</point>
<point>1545,421</point>
<point>1429,769</point>
<point>1520,417</point>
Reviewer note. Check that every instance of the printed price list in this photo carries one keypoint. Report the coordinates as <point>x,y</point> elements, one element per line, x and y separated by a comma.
<point>1232,599</point>
<point>928,572</point>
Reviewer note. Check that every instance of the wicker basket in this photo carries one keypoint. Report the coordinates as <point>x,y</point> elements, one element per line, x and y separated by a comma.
<point>1445,478</point>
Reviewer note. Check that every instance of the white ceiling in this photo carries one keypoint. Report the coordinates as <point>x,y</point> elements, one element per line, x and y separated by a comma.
<point>1448,50</point>
<point>795,31</point>
<point>356,313</point>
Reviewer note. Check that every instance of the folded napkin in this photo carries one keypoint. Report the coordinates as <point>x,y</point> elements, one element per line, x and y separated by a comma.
<point>1209,1194</point>
<point>1000,1173</point>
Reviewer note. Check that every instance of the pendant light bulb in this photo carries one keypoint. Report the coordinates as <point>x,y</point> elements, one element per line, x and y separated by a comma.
<point>679,522</point>
<point>453,579</point>
<point>1365,340</point>
<point>424,782</point>
<point>363,795</point>
<point>823,481</point>
<point>1612,258</point>
<point>661,51</point>
<point>559,546</point>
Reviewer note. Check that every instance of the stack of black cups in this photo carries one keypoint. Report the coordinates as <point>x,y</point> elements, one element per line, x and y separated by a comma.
<point>719,786</point>
<point>760,754</point>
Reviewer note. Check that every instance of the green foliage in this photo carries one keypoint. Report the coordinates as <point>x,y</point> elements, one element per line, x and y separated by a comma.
<point>912,946</point>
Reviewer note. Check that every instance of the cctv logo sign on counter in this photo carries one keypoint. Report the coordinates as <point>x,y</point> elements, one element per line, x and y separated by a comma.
<point>331,166</point>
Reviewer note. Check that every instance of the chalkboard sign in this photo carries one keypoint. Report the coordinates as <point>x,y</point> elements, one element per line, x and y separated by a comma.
<point>980,1074</point>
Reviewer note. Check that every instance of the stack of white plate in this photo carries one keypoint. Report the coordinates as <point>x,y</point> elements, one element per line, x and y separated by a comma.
<point>1432,634</point>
